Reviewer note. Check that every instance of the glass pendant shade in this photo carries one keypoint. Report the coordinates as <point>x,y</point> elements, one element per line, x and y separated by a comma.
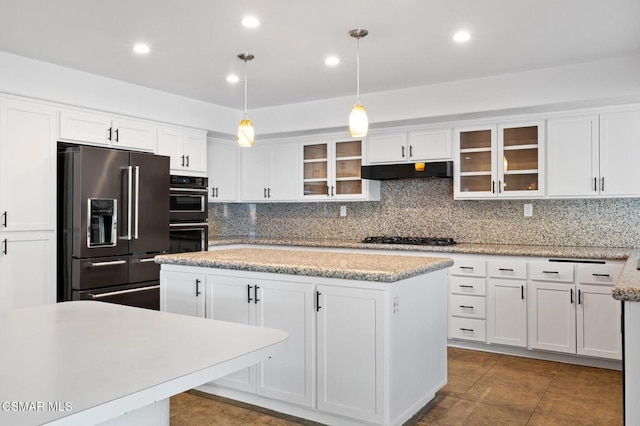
<point>246,133</point>
<point>358,121</point>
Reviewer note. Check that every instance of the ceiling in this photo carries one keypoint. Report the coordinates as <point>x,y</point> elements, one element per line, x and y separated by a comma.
<point>194,43</point>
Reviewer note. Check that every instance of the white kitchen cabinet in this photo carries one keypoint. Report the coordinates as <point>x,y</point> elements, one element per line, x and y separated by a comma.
<point>97,129</point>
<point>410,146</point>
<point>619,153</point>
<point>27,159</point>
<point>506,302</point>
<point>222,169</point>
<point>187,150</point>
<point>27,269</point>
<point>350,352</point>
<point>182,293</point>
<point>500,160</point>
<point>269,173</point>
<point>467,302</point>
<point>552,316</point>
<point>598,322</point>
<point>282,305</point>
<point>331,171</point>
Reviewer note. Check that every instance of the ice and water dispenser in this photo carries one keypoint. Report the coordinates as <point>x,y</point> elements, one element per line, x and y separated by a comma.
<point>102,229</point>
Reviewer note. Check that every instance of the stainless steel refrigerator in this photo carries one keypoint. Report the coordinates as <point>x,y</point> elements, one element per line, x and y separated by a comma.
<point>113,216</point>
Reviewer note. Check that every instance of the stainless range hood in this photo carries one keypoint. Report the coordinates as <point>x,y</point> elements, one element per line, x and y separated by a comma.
<point>440,169</point>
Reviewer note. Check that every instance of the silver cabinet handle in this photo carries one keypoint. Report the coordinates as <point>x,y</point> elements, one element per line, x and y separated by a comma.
<point>135,230</point>
<point>202,191</point>
<point>115,293</point>
<point>147,260</point>
<point>187,225</point>
<point>111,263</point>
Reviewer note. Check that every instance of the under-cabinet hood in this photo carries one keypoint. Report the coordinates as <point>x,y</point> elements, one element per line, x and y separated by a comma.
<point>439,169</point>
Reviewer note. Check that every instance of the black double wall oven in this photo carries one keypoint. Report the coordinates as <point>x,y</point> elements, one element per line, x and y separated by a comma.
<point>188,212</point>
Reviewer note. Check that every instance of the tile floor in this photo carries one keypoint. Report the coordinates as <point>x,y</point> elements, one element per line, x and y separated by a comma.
<point>483,389</point>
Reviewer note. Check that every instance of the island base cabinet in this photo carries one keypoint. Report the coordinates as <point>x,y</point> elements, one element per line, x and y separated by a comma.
<point>350,342</point>
<point>182,293</point>
<point>281,305</point>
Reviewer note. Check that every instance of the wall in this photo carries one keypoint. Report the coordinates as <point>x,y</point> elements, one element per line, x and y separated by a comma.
<point>419,207</point>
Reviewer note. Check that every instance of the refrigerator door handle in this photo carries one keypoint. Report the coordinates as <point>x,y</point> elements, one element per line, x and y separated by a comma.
<point>136,228</point>
<point>129,206</point>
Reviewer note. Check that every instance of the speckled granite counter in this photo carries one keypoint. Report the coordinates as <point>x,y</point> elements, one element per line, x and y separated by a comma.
<point>627,288</point>
<point>495,249</point>
<point>350,266</point>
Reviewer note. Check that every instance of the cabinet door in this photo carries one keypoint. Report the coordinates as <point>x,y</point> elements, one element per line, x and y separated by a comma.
<point>223,171</point>
<point>170,144</point>
<point>232,299</point>
<point>182,293</point>
<point>619,153</point>
<point>552,316</point>
<point>572,156</point>
<point>347,182</point>
<point>27,160</point>
<point>430,145</point>
<point>387,148</point>
<point>350,352</point>
<point>315,173</point>
<point>85,128</point>
<point>475,149</point>
<point>136,135</point>
<point>253,173</point>
<point>598,321</point>
<point>506,312</point>
<point>27,269</point>
<point>283,177</point>
<point>520,161</point>
<point>289,376</point>
<point>195,151</point>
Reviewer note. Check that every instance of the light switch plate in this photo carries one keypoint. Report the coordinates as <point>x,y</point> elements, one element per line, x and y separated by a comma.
<point>528,210</point>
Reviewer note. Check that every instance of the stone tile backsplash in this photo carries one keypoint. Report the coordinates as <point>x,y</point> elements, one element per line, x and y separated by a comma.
<point>425,207</point>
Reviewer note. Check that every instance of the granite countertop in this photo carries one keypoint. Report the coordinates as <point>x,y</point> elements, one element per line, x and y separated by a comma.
<point>627,287</point>
<point>495,249</point>
<point>350,266</point>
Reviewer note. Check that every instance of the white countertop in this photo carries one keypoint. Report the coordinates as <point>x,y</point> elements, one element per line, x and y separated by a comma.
<point>104,359</point>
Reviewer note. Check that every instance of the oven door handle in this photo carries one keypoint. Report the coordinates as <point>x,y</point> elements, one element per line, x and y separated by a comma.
<point>187,224</point>
<point>177,190</point>
<point>116,293</point>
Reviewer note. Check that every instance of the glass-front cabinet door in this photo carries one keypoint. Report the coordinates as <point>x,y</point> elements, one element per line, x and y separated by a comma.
<point>332,170</point>
<point>499,161</point>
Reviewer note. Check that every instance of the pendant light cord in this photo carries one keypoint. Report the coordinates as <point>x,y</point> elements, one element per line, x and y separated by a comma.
<point>245,88</point>
<point>358,69</point>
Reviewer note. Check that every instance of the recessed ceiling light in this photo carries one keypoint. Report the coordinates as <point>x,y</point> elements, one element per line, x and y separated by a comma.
<point>232,78</point>
<point>332,61</point>
<point>250,22</point>
<point>461,37</point>
<point>141,48</point>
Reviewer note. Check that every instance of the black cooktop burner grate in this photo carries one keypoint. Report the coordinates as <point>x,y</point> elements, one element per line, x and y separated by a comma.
<point>420,241</point>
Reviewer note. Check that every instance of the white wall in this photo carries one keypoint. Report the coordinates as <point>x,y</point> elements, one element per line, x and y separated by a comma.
<point>595,82</point>
<point>42,80</point>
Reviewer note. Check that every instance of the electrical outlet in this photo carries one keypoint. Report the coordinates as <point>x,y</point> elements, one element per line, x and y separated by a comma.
<point>343,211</point>
<point>528,210</point>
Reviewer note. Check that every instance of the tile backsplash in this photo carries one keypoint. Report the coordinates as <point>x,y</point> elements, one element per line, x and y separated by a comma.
<point>425,207</point>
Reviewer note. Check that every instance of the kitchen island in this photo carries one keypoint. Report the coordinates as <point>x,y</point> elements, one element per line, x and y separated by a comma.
<point>367,332</point>
<point>86,362</point>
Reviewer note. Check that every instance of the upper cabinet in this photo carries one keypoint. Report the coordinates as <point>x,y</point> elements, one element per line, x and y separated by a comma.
<point>594,155</point>
<point>97,129</point>
<point>186,148</point>
<point>504,160</point>
<point>411,146</point>
<point>222,168</point>
<point>269,172</point>
<point>331,171</point>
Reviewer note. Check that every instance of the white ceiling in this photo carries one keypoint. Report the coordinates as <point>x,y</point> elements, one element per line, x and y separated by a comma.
<point>195,42</point>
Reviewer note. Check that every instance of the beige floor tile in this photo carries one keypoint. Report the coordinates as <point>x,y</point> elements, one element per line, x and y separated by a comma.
<point>474,413</point>
<point>557,411</point>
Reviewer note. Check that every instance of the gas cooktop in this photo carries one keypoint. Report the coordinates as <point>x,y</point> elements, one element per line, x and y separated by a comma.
<point>420,241</point>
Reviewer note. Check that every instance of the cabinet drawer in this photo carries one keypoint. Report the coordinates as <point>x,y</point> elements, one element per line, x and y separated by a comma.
<point>468,285</point>
<point>598,274</point>
<point>507,269</point>
<point>467,306</point>
<point>469,267</point>
<point>468,329</point>
<point>549,271</point>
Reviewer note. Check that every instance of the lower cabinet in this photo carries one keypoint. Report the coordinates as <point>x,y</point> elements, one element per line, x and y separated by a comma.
<point>282,305</point>
<point>507,312</point>
<point>552,316</point>
<point>350,343</point>
<point>27,269</point>
<point>182,293</point>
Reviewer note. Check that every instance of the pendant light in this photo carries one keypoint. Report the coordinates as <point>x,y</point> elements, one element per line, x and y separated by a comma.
<point>246,133</point>
<point>358,120</point>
